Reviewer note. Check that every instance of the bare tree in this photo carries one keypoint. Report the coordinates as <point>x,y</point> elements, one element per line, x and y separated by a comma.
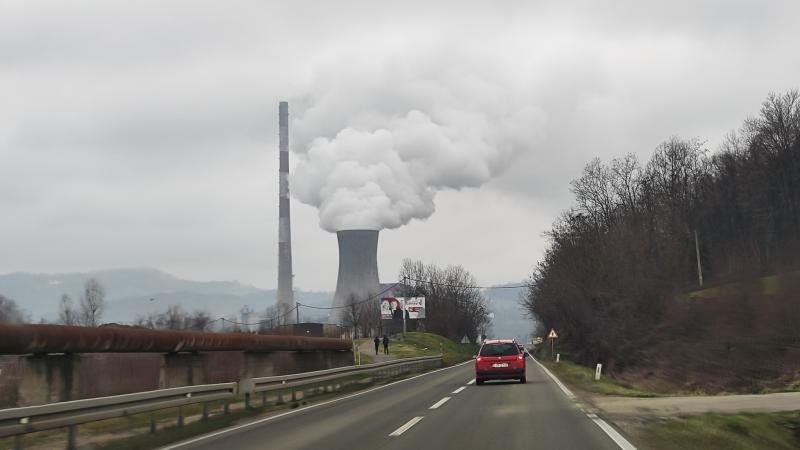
<point>9,311</point>
<point>199,320</point>
<point>454,305</point>
<point>268,319</point>
<point>92,303</point>
<point>66,311</point>
<point>353,315</point>
<point>173,319</point>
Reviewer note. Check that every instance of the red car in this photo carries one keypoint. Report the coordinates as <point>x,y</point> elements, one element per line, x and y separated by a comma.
<point>499,359</point>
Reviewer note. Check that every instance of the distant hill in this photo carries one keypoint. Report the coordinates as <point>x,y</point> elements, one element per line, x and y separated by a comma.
<point>128,293</point>
<point>509,320</point>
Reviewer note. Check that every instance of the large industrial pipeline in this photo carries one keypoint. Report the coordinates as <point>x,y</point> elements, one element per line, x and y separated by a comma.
<point>25,339</point>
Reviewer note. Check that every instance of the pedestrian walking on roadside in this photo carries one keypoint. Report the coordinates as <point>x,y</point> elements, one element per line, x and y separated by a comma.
<point>377,344</point>
<point>385,344</point>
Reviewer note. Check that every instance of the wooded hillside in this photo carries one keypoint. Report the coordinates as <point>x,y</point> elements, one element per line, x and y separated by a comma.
<point>617,259</point>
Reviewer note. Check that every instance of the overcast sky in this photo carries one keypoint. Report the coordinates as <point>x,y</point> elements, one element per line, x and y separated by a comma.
<point>145,133</point>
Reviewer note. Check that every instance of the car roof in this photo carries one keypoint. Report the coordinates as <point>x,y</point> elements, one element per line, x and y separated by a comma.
<point>499,341</point>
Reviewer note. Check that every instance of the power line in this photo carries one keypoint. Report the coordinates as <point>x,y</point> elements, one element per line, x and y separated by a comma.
<point>353,303</point>
<point>465,286</point>
<point>278,317</point>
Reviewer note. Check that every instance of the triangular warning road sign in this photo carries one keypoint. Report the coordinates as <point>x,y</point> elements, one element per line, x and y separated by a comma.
<point>552,334</point>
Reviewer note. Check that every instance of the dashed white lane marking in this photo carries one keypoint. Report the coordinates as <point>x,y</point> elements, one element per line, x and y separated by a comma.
<point>459,389</point>
<point>406,426</point>
<point>439,403</point>
<point>302,410</point>
<point>471,381</point>
<point>607,429</point>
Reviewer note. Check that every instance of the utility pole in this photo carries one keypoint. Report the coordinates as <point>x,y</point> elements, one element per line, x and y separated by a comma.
<point>404,307</point>
<point>697,252</point>
<point>297,311</point>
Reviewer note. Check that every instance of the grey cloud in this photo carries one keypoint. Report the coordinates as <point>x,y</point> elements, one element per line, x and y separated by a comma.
<point>143,133</point>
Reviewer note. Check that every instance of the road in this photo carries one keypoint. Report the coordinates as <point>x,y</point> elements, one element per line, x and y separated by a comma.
<point>503,415</point>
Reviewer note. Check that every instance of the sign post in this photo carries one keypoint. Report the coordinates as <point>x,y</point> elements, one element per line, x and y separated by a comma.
<point>552,336</point>
<point>405,283</point>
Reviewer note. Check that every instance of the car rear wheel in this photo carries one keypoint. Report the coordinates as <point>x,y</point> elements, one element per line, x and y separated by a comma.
<point>522,380</point>
<point>478,381</point>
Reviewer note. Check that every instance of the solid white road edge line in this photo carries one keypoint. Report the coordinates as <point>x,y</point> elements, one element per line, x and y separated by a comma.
<point>298,410</point>
<point>471,381</point>
<point>439,403</point>
<point>613,434</point>
<point>459,389</point>
<point>406,426</point>
<point>618,439</point>
<point>558,382</point>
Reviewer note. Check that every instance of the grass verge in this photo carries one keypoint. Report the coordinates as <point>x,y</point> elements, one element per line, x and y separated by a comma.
<point>723,431</point>
<point>430,344</point>
<point>583,379</point>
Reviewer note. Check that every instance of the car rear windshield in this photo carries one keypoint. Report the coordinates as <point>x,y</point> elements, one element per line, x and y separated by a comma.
<point>499,350</point>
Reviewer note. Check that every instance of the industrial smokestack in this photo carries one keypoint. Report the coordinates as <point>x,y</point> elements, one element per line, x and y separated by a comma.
<point>285,291</point>
<point>358,270</point>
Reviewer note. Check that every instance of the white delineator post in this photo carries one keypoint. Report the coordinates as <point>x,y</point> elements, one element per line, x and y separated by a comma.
<point>597,371</point>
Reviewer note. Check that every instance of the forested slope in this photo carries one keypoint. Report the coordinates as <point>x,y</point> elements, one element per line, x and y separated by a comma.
<point>620,261</point>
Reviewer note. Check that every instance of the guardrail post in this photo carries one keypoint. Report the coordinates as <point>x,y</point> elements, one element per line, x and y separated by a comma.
<point>247,400</point>
<point>294,396</point>
<point>205,411</point>
<point>227,408</point>
<point>152,423</point>
<point>18,442</point>
<point>264,399</point>
<point>71,431</point>
<point>180,416</point>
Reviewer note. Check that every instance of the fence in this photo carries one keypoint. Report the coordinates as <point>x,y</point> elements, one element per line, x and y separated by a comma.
<point>29,419</point>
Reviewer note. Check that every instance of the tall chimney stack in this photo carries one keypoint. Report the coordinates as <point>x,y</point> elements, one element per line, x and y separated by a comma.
<point>358,271</point>
<point>285,291</point>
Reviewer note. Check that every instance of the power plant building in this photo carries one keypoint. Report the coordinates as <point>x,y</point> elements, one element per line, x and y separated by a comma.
<point>358,271</point>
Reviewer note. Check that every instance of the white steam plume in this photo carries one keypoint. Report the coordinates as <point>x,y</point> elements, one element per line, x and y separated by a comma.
<point>376,148</point>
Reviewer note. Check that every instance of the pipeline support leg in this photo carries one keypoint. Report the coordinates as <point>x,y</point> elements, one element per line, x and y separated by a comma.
<point>71,432</point>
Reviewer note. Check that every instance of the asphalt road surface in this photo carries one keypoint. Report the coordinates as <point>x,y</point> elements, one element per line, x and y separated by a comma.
<point>413,414</point>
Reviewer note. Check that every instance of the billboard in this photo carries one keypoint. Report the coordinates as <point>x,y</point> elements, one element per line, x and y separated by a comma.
<point>393,307</point>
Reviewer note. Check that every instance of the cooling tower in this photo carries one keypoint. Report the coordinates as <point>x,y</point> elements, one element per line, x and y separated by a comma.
<point>285,292</point>
<point>358,270</point>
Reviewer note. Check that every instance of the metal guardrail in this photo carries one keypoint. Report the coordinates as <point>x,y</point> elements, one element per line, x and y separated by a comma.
<point>29,419</point>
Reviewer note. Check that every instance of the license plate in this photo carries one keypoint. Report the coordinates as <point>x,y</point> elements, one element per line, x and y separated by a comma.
<point>500,365</point>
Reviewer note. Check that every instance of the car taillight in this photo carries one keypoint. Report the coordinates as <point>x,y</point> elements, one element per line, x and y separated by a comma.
<point>520,357</point>
<point>478,359</point>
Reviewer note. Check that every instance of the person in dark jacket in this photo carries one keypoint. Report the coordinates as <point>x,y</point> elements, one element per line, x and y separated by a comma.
<point>377,344</point>
<point>385,344</point>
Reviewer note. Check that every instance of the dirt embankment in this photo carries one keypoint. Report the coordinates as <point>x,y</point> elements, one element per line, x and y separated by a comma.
<point>741,337</point>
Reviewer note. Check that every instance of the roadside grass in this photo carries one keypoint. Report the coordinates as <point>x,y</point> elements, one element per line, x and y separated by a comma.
<point>430,344</point>
<point>173,433</point>
<point>583,379</point>
<point>723,431</point>
<point>767,285</point>
<point>366,358</point>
